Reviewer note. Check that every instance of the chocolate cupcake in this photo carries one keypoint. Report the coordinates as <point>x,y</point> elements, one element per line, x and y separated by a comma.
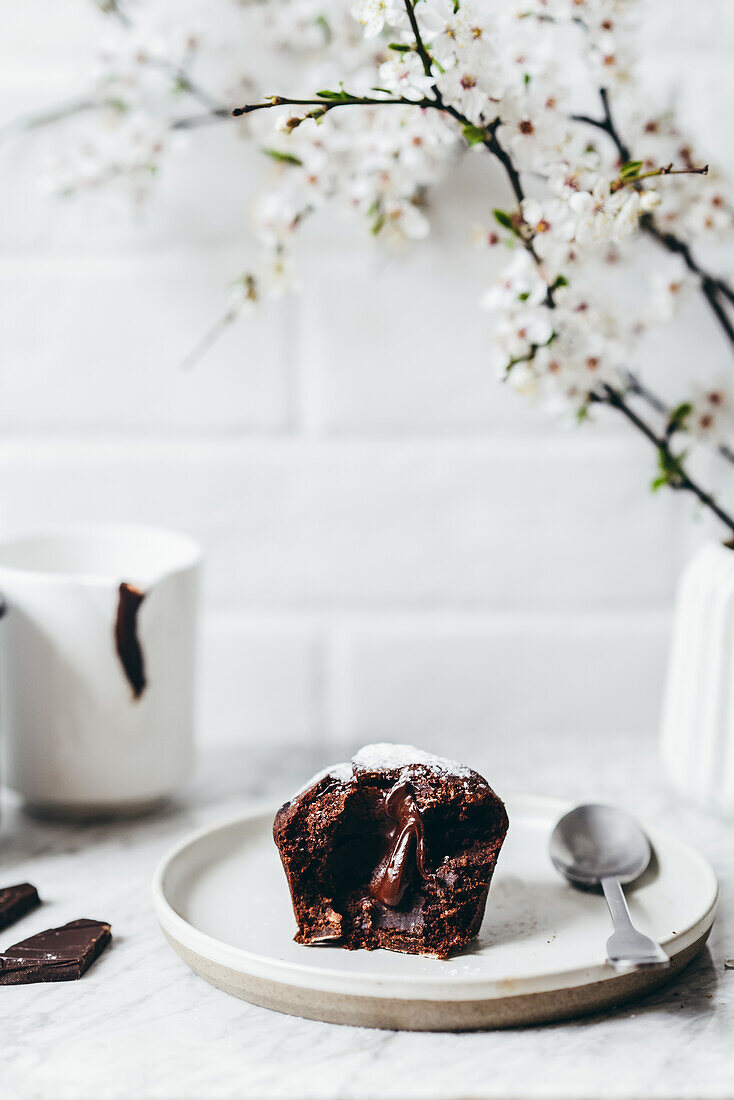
<point>395,850</point>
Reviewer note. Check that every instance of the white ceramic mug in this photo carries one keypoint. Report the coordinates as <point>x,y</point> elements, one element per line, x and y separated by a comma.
<point>97,666</point>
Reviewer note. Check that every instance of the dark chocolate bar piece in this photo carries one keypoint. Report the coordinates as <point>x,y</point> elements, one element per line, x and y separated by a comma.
<point>16,901</point>
<point>56,955</point>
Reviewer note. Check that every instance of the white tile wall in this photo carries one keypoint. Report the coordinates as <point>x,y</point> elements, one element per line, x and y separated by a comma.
<point>397,546</point>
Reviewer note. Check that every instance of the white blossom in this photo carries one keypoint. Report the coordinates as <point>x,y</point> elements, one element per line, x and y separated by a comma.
<point>533,129</point>
<point>472,86</point>
<point>374,14</point>
<point>403,74</point>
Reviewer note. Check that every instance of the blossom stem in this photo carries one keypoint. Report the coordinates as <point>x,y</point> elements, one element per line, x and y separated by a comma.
<point>194,122</point>
<point>40,119</point>
<point>422,51</point>
<point>677,478</point>
<point>328,104</point>
<point>209,339</point>
<point>711,287</point>
<point>664,170</point>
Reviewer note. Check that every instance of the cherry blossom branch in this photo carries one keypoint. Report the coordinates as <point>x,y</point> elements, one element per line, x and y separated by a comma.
<point>637,388</point>
<point>673,472</point>
<point>195,122</point>
<point>607,125</point>
<point>215,109</point>
<point>420,47</point>
<point>711,285</point>
<point>36,121</point>
<point>329,103</point>
<point>183,78</point>
<point>675,244</point>
<point>664,170</point>
<point>489,138</point>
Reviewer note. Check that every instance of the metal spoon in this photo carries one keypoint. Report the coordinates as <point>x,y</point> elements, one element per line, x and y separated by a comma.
<point>594,845</point>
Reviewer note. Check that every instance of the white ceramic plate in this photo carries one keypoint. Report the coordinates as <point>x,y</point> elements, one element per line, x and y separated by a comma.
<point>223,903</point>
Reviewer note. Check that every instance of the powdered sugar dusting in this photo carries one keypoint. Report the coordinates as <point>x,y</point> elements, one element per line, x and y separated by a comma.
<point>342,772</point>
<point>383,756</point>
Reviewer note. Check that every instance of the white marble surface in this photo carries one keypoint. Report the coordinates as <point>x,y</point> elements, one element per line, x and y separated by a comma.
<point>141,1025</point>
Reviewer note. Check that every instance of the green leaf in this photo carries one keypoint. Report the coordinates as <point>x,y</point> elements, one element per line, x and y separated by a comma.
<point>117,104</point>
<point>378,224</point>
<point>398,47</point>
<point>631,169</point>
<point>341,95</point>
<point>559,281</point>
<point>678,416</point>
<point>283,158</point>
<point>504,219</point>
<point>582,413</point>
<point>321,22</point>
<point>526,78</point>
<point>670,468</point>
<point>524,296</point>
<point>658,482</point>
<point>474,134</point>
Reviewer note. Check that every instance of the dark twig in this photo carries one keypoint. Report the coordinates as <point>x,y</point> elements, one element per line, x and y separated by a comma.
<point>422,51</point>
<point>711,287</point>
<point>328,104</point>
<point>677,478</point>
<point>38,120</point>
<point>187,84</point>
<point>637,388</point>
<point>195,122</point>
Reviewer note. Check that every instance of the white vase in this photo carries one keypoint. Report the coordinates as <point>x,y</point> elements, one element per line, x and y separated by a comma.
<point>697,741</point>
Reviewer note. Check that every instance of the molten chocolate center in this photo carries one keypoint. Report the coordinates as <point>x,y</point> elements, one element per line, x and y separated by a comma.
<point>405,847</point>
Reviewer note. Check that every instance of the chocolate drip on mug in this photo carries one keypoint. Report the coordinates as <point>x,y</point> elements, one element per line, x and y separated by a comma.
<point>126,637</point>
<point>405,847</point>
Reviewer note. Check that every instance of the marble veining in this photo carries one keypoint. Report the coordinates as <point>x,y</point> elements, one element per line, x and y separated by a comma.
<point>141,1024</point>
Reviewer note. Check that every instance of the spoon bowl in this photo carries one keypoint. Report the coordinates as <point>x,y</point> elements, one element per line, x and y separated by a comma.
<point>594,841</point>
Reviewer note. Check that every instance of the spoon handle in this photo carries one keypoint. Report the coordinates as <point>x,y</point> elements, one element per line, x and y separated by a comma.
<point>628,949</point>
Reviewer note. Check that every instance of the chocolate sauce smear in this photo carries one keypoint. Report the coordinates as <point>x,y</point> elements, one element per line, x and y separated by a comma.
<point>405,855</point>
<point>126,637</point>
